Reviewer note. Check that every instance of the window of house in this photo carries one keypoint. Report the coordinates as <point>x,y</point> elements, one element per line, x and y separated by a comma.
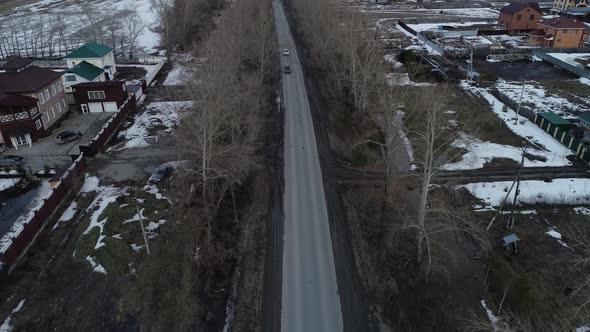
<point>575,32</point>
<point>532,17</point>
<point>564,31</point>
<point>58,84</point>
<point>63,104</point>
<point>46,116</point>
<point>96,94</point>
<point>47,96</point>
<point>58,107</point>
<point>518,17</point>
<point>558,41</point>
<point>53,90</point>
<point>71,78</point>
<point>41,99</point>
<point>52,112</point>
<point>38,124</point>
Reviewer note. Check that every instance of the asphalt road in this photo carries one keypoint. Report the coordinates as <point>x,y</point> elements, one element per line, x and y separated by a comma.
<point>310,298</point>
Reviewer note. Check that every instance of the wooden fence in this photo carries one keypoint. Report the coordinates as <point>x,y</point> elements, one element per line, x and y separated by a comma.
<point>15,245</point>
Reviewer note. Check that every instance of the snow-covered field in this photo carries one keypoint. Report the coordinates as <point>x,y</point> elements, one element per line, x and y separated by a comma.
<point>571,58</point>
<point>559,191</point>
<point>402,79</point>
<point>37,26</point>
<point>7,326</point>
<point>542,101</point>
<point>542,145</point>
<point>177,76</point>
<point>437,26</point>
<point>158,118</point>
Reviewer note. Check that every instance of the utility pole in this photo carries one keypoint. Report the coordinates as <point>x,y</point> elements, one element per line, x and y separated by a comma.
<point>470,67</point>
<point>145,240</point>
<point>510,224</point>
<point>519,102</point>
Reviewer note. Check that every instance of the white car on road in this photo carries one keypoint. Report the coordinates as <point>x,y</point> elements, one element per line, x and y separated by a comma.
<point>286,52</point>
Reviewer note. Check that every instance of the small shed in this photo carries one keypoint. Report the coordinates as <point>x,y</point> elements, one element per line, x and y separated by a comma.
<point>550,122</point>
<point>585,120</point>
<point>510,242</point>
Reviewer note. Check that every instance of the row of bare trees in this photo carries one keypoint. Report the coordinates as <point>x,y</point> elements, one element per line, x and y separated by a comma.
<point>49,36</point>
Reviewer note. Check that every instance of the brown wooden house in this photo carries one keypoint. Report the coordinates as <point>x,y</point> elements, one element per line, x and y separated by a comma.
<point>519,16</point>
<point>98,97</point>
<point>559,32</point>
<point>20,120</point>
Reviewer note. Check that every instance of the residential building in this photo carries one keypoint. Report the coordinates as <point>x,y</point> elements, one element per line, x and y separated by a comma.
<point>83,72</point>
<point>98,97</point>
<point>585,120</point>
<point>43,85</point>
<point>562,5</point>
<point>20,120</point>
<point>94,53</point>
<point>518,16</point>
<point>559,32</point>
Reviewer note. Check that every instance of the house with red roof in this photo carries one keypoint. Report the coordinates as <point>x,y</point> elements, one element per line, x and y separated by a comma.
<point>518,16</point>
<point>559,32</point>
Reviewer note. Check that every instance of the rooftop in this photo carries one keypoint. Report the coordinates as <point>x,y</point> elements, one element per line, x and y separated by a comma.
<point>16,63</point>
<point>98,84</point>
<point>89,50</point>
<point>30,79</point>
<point>10,100</point>
<point>554,118</point>
<point>562,23</point>
<point>515,7</point>
<point>585,116</point>
<point>86,70</point>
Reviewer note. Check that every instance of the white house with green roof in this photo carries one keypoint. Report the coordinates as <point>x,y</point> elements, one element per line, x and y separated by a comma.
<point>96,54</point>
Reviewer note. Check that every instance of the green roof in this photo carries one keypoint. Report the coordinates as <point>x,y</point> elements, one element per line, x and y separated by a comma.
<point>554,118</point>
<point>585,117</point>
<point>86,70</point>
<point>90,50</point>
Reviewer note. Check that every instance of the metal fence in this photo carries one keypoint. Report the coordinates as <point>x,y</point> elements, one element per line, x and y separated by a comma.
<point>40,217</point>
<point>542,53</point>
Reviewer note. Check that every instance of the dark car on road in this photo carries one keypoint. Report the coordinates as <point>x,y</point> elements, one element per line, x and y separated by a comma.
<point>287,70</point>
<point>160,173</point>
<point>68,136</point>
<point>11,160</point>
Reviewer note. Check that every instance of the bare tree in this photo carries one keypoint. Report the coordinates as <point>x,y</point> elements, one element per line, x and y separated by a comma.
<point>133,27</point>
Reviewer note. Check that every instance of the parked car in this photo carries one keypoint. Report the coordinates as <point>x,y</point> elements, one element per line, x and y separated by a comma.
<point>68,136</point>
<point>287,70</point>
<point>11,160</point>
<point>286,52</point>
<point>2,147</point>
<point>160,173</point>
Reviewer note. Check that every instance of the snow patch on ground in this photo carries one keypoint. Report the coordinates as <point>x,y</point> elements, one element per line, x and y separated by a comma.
<point>571,58</point>
<point>402,79</point>
<point>559,191</point>
<point>67,215</point>
<point>159,117</point>
<point>152,189</point>
<point>541,100</point>
<point>584,80</point>
<point>95,266</point>
<point>480,152</point>
<point>106,196</point>
<point>7,326</point>
<point>8,183</point>
<point>392,59</point>
<point>556,235</point>
<point>555,153</point>
<point>90,184</point>
<point>493,318</point>
<point>582,210</point>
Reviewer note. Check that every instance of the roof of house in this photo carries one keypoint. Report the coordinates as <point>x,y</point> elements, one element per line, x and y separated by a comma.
<point>537,32</point>
<point>98,84</point>
<point>86,70</point>
<point>14,100</point>
<point>90,50</point>
<point>15,63</point>
<point>585,116</point>
<point>562,23</point>
<point>515,7</point>
<point>554,118</point>
<point>30,79</point>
